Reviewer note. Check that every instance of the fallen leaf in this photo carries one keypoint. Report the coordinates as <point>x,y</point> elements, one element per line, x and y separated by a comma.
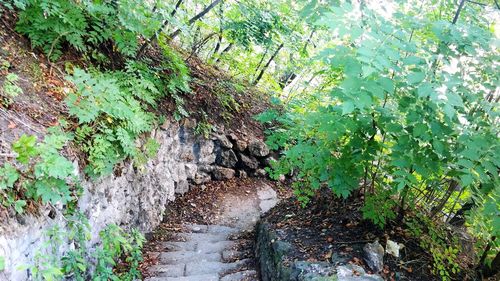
<point>328,255</point>
<point>12,125</point>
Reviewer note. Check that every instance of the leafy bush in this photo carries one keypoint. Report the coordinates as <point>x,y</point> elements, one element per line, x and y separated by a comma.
<point>85,25</point>
<point>113,108</point>
<point>44,174</point>
<point>116,246</point>
<point>436,240</point>
<point>9,89</point>
<point>49,24</point>
<point>397,114</point>
<point>379,208</point>
<point>109,107</point>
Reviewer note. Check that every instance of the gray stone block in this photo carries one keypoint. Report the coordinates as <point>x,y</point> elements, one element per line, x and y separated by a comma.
<point>215,246</point>
<point>167,270</point>
<point>188,256</point>
<point>240,276</point>
<point>179,246</point>
<point>198,268</point>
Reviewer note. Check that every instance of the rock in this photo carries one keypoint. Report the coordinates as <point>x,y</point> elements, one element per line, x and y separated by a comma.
<point>189,123</point>
<point>223,141</point>
<point>352,272</point>
<point>191,170</point>
<point>249,162</point>
<point>206,153</point>
<point>258,148</point>
<point>241,145</point>
<point>166,125</point>
<point>393,248</point>
<point>221,173</point>
<point>268,161</point>
<point>232,137</point>
<point>201,178</point>
<point>187,155</point>
<point>282,178</point>
<point>374,256</point>
<point>241,174</point>
<point>260,173</point>
<point>206,168</point>
<point>181,187</point>
<point>227,159</point>
<point>312,271</point>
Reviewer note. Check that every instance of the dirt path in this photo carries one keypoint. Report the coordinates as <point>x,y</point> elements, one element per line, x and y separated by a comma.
<point>209,234</point>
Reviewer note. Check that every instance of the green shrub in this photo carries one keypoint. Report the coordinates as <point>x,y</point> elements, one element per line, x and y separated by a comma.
<point>9,89</point>
<point>50,23</point>
<point>443,248</point>
<point>379,208</point>
<point>117,246</point>
<point>111,111</point>
<point>43,174</point>
<point>85,25</point>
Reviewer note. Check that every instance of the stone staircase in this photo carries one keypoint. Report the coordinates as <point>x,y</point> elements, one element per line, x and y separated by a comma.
<point>206,253</point>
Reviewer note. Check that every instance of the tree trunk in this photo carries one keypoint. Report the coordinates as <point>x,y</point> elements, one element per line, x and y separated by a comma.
<point>495,264</point>
<point>261,60</point>
<point>453,185</point>
<point>229,47</point>
<point>263,70</point>
<point>304,49</point>
<point>197,17</point>
<point>457,14</point>
<point>199,45</point>
<point>154,36</point>
<point>459,218</point>
<point>221,29</point>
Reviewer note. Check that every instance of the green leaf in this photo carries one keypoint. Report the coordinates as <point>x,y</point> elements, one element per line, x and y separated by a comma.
<point>19,206</point>
<point>466,180</point>
<point>25,148</point>
<point>425,90</point>
<point>415,77</point>
<point>2,263</point>
<point>8,176</point>
<point>386,84</point>
<point>347,107</point>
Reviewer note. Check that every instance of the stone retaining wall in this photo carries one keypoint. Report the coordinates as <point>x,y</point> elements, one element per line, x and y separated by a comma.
<point>137,197</point>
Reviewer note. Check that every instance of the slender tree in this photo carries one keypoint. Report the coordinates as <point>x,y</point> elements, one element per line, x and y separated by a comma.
<point>263,70</point>
<point>195,18</point>
<point>144,46</point>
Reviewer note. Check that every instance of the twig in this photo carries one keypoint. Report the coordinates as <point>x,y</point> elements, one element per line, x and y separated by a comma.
<point>354,242</point>
<point>10,116</point>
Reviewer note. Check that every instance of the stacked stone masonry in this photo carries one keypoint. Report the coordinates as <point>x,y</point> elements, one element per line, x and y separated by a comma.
<point>137,197</point>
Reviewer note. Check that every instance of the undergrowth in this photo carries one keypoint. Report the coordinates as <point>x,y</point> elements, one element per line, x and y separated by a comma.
<point>116,247</point>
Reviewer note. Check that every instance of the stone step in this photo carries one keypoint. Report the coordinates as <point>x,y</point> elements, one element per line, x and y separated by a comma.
<point>215,247</point>
<point>179,246</point>
<point>247,275</point>
<point>215,229</point>
<point>213,267</point>
<point>188,256</point>
<point>201,237</point>
<point>203,277</point>
<point>167,270</point>
<point>233,255</point>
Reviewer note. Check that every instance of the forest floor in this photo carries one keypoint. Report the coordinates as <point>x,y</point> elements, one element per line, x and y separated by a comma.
<point>333,230</point>
<point>329,230</point>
